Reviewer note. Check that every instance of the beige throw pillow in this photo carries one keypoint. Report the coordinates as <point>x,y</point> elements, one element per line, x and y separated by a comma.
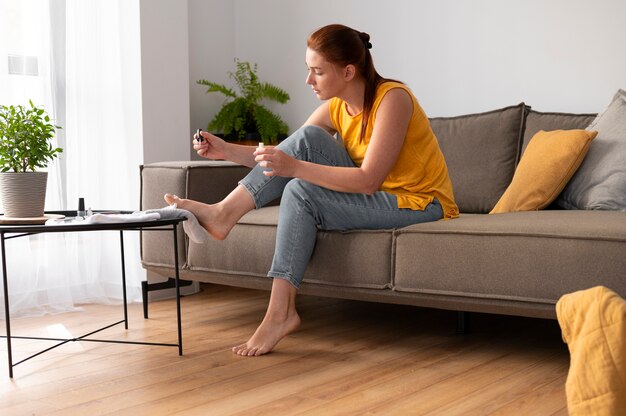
<point>547,164</point>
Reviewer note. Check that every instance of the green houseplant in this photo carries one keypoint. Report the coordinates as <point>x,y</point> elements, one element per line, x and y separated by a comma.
<point>26,134</point>
<point>242,116</point>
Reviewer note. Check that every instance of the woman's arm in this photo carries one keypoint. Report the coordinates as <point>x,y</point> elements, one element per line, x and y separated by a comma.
<point>321,118</point>
<point>392,121</point>
<point>241,154</point>
<point>212,147</point>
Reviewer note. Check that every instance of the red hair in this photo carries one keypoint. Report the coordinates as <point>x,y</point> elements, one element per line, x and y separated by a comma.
<point>343,46</point>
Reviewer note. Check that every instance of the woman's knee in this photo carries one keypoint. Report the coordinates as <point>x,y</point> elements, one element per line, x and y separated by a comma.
<point>299,191</point>
<point>314,144</point>
<point>311,131</point>
<point>309,134</point>
<point>294,188</point>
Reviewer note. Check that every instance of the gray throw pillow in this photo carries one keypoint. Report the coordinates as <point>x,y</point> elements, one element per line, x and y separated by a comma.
<point>600,182</point>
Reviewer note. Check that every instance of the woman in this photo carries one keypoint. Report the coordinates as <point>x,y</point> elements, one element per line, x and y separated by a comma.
<point>388,173</point>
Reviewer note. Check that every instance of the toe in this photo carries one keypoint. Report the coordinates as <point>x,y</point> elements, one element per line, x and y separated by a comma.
<point>170,198</point>
<point>238,348</point>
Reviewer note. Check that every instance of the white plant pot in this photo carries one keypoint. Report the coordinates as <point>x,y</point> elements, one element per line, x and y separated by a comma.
<point>23,194</point>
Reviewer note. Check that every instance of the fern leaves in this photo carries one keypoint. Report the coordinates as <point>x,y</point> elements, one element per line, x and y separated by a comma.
<point>242,113</point>
<point>214,87</point>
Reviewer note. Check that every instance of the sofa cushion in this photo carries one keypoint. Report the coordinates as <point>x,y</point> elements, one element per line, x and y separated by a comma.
<point>548,163</point>
<point>359,259</point>
<point>536,121</point>
<point>481,153</point>
<point>600,182</point>
<point>498,256</point>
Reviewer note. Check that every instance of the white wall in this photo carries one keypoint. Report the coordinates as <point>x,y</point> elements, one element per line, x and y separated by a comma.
<point>165,80</point>
<point>457,56</point>
<point>211,56</point>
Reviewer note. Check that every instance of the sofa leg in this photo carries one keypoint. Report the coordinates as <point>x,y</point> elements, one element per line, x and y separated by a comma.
<point>149,287</point>
<point>462,322</point>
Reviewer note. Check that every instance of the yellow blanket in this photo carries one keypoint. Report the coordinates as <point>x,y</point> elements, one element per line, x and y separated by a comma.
<point>593,323</point>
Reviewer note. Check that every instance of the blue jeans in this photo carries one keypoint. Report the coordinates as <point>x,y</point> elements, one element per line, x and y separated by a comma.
<point>306,208</point>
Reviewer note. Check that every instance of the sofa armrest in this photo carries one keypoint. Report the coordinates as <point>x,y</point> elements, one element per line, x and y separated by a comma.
<point>205,181</point>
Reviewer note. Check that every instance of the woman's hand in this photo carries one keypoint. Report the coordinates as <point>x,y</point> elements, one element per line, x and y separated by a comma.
<point>276,162</point>
<point>211,146</point>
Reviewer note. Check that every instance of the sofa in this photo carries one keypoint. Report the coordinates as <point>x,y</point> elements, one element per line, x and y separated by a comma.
<point>513,263</point>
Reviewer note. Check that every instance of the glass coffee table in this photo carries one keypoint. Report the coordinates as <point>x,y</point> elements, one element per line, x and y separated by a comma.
<point>12,231</point>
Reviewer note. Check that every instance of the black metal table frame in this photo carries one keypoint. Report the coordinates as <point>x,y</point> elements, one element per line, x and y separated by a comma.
<point>8,232</point>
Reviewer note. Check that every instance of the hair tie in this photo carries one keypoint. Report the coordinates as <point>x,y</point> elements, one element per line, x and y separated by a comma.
<point>365,38</point>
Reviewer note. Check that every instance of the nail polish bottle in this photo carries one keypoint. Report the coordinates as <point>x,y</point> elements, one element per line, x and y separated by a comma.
<point>81,207</point>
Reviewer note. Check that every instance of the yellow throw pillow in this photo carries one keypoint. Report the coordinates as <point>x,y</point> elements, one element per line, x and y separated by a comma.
<point>548,163</point>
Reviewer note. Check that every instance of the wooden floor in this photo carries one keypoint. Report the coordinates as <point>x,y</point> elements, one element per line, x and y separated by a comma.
<point>347,358</point>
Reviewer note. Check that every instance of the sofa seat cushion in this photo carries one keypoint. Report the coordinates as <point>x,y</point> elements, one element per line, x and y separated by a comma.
<point>497,256</point>
<point>360,259</point>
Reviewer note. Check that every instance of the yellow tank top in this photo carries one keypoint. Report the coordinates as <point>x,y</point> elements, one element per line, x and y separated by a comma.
<point>420,173</point>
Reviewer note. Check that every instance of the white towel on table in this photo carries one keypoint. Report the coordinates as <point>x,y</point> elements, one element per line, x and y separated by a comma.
<point>137,216</point>
<point>192,227</point>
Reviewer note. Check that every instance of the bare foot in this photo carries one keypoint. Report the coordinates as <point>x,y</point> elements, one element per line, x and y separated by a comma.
<point>268,334</point>
<point>208,215</point>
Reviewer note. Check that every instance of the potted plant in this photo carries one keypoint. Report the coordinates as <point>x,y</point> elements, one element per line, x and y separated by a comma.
<point>242,116</point>
<point>26,135</point>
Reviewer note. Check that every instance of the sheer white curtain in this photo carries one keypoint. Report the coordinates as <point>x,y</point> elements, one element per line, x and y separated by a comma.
<point>89,81</point>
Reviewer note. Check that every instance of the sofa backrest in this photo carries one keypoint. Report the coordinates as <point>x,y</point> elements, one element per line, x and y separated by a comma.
<point>536,121</point>
<point>481,152</point>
